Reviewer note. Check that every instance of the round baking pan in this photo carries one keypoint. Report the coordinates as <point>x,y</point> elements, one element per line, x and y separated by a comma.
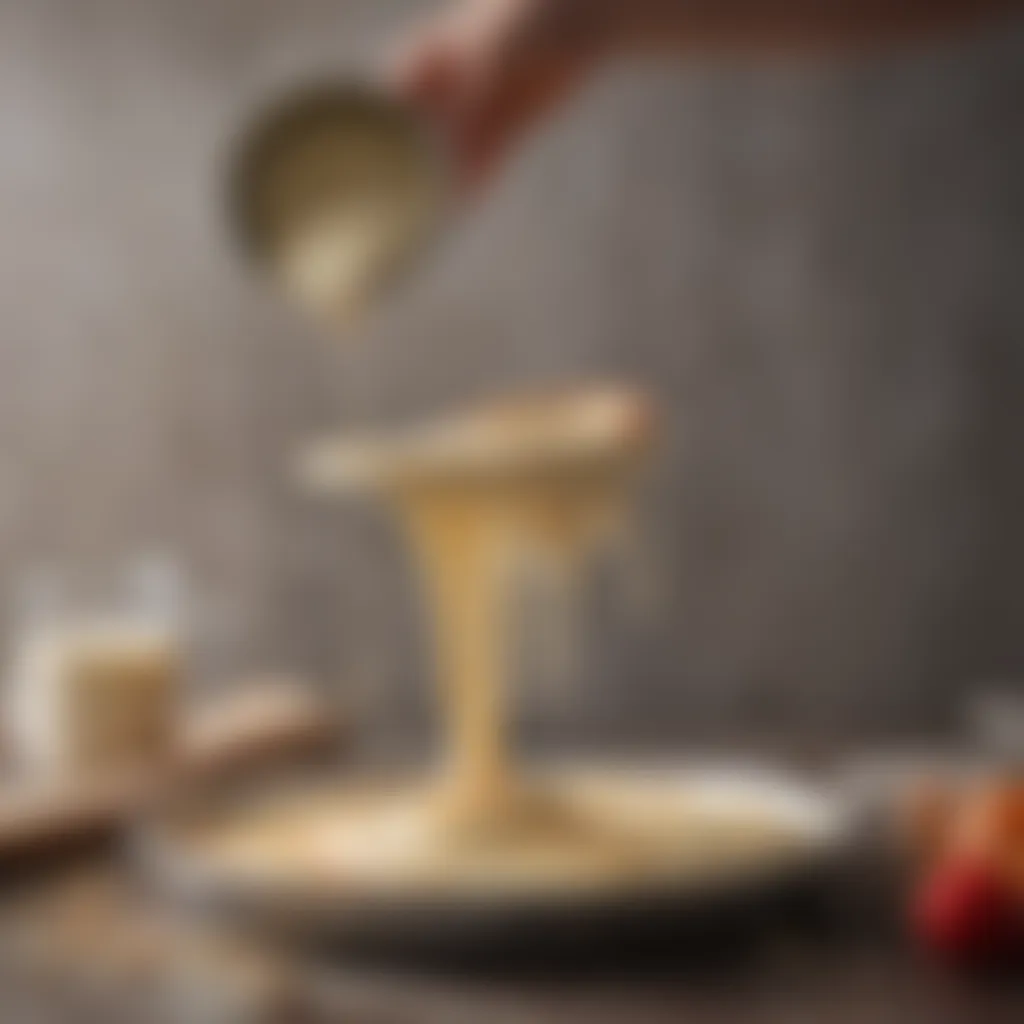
<point>463,925</point>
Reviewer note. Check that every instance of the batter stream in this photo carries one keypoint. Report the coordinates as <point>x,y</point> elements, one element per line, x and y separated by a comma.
<point>537,485</point>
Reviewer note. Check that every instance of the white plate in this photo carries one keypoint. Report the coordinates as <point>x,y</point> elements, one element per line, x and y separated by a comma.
<point>459,917</point>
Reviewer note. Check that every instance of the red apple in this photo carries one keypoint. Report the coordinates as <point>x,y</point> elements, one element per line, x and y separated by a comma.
<point>965,911</point>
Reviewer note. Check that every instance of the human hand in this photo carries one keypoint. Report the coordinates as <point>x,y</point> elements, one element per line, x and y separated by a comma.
<point>488,70</point>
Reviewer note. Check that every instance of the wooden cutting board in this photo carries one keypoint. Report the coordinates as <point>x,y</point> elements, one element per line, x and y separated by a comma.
<point>256,726</point>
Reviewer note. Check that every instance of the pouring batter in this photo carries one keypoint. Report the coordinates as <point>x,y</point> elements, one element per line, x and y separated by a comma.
<point>483,499</point>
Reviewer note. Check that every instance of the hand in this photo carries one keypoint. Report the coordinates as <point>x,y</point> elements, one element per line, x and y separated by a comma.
<point>488,70</point>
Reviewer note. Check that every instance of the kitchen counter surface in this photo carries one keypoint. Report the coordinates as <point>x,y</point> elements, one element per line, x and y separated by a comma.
<point>84,943</point>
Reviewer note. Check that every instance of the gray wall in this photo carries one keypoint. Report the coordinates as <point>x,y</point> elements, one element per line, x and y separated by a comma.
<point>818,268</point>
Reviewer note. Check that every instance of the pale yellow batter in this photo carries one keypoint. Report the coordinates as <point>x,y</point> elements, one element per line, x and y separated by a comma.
<point>483,498</point>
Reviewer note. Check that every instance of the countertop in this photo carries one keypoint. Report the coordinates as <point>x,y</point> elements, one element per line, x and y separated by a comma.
<point>84,942</point>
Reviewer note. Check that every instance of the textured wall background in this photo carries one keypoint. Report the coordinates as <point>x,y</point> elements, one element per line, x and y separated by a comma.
<point>820,268</point>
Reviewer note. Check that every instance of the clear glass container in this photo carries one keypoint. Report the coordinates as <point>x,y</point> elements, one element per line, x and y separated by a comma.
<point>97,672</point>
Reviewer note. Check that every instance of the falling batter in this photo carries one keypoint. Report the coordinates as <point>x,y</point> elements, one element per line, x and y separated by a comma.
<point>485,499</point>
